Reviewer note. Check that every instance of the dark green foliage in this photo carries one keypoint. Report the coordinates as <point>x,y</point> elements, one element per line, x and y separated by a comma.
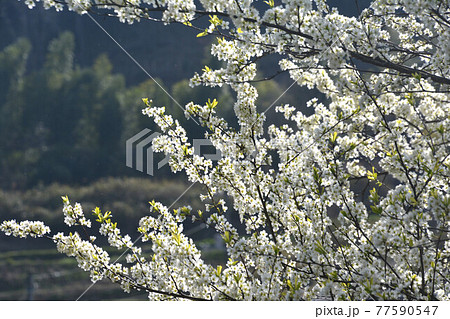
<point>59,123</point>
<point>67,124</point>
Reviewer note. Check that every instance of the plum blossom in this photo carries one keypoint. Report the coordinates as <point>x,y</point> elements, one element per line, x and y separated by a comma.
<point>351,202</point>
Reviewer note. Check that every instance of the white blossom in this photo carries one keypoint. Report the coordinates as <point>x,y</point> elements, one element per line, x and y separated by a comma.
<point>349,203</point>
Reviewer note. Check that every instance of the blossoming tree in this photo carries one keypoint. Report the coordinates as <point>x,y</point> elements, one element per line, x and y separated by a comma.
<point>385,124</point>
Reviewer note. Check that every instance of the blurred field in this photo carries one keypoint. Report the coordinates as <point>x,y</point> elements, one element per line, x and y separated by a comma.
<point>33,269</point>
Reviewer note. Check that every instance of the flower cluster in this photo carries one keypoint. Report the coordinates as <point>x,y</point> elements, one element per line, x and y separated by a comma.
<point>351,202</point>
<point>73,215</point>
<point>24,228</point>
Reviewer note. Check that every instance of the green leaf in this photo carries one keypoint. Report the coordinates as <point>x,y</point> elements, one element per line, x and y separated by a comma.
<point>376,209</point>
<point>374,197</point>
<point>319,248</point>
<point>215,20</point>
<point>185,149</point>
<point>291,288</point>
<point>316,175</point>
<point>276,249</point>
<point>372,175</point>
<point>219,270</point>
<point>227,237</point>
<point>202,34</point>
<point>417,76</point>
<point>233,262</point>
<point>212,104</point>
<point>344,213</point>
<point>185,211</point>
<point>333,137</point>
<point>410,98</point>
<point>176,237</point>
<point>65,199</point>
